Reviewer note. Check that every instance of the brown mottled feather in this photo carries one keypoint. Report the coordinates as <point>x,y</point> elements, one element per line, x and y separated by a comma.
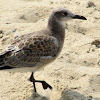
<point>36,49</point>
<point>31,51</point>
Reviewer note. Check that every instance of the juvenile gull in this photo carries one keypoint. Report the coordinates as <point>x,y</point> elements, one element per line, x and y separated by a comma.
<point>33,51</point>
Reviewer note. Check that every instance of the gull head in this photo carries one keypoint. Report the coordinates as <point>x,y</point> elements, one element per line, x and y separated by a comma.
<point>63,14</point>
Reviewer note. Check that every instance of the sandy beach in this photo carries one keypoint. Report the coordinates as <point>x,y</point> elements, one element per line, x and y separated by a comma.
<point>75,74</point>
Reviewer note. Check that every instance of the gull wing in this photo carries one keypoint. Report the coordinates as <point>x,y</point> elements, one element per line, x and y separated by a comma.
<point>31,51</point>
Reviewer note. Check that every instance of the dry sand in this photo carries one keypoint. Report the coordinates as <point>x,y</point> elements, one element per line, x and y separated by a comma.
<point>75,75</point>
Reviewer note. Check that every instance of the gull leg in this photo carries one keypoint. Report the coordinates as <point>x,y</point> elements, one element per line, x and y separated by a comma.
<point>33,80</point>
<point>44,84</point>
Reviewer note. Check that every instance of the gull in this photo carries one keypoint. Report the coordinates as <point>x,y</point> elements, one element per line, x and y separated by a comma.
<point>33,51</point>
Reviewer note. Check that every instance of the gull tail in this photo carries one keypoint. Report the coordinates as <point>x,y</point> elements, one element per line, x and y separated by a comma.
<point>2,63</point>
<point>3,66</point>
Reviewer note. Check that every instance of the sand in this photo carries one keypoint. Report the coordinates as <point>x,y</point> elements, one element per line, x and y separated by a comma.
<point>75,75</point>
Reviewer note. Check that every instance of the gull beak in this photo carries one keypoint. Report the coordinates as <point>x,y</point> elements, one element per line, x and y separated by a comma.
<point>79,17</point>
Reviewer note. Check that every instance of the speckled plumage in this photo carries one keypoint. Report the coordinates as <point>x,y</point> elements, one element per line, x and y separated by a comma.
<point>37,49</point>
<point>31,50</point>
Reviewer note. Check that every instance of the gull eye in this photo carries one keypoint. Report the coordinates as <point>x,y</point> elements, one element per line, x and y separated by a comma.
<point>64,13</point>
